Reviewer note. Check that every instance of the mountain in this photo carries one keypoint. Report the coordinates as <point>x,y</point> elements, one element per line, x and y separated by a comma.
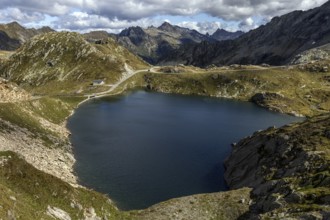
<point>222,34</point>
<point>7,43</point>
<point>152,43</point>
<point>13,35</point>
<point>66,62</point>
<point>275,43</point>
<point>95,36</point>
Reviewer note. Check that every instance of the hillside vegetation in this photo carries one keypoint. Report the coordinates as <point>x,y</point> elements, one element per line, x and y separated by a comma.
<point>293,90</point>
<point>65,63</point>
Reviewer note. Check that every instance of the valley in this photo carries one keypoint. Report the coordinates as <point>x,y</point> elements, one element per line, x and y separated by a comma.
<point>278,173</point>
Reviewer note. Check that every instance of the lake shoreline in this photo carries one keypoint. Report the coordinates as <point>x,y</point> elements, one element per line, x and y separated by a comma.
<point>160,96</point>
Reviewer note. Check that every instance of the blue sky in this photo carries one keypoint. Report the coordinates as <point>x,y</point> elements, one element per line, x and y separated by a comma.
<point>116,15</point>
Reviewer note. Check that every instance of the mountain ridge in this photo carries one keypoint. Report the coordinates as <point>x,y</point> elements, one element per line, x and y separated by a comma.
<point>13,35</point>
<point>274,43</point>
<point>154,42</point>
<point>221,35</point>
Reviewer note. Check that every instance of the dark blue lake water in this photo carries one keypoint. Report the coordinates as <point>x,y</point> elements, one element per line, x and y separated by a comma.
<point>143,148</point>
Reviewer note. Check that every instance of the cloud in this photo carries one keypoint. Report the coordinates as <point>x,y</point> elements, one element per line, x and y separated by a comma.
<point>247,24</point>
<point>105,13</point>
<point>225,9</point>
<point>202,27</point>
<point>84,22</point>
<point>15,14</point>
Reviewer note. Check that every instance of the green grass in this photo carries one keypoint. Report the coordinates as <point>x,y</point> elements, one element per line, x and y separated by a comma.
<point>303,92</point>
<point>64,63</point>
<point>28,114</point>
<point>34,191</point>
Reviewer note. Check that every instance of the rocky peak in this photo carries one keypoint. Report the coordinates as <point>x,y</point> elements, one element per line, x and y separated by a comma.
<point>167,27</point>
<point>14,24</point>
<point>132,31</point>
<point>46,29</point>
<point>9,92</point>
<point>222,34</point>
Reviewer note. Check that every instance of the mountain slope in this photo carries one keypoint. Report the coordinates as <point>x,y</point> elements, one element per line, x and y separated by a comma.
<point>222,34</point>
<point>152,43</point>
<point>7,43</point>
<point>13,35</point>
<point>66,62</point>
<point>275,43</point>
<point>288,169</point>
<point>313,55</point>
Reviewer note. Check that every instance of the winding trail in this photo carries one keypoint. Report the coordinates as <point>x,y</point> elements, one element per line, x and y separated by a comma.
<point>126,75</point>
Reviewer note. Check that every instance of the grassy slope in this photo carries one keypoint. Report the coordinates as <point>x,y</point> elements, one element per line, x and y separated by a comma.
<point>27,192</point>
<point>27,115</point>
<point>297,91</point>
<point>64,63</point>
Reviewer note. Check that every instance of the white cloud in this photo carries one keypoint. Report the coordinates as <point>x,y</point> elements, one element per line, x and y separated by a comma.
<point>202,27</point>
<point>83,22</point>
<point>104,13</point>
<point>247,24</point>
<point>15,14</point>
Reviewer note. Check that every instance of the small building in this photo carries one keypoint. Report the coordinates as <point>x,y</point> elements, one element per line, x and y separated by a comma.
<point>98,82</point>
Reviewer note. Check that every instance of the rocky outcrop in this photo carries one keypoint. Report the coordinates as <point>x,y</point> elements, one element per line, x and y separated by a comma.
<point>11,93</point>
<point>288,169</point>
<point>57,161</point>
<point>224,205</point>
<point>275,102</point>
<point>313,55</point>
<point>275,43</point>
<point>57,213</point>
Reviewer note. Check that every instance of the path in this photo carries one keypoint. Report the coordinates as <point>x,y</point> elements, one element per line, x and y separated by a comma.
<point>127,75</point>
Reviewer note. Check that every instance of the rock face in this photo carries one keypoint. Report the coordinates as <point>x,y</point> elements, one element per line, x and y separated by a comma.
<point>275,43</point>
<point>13,35</point>
<point>313,55</point>
<point>288,169</point>
<point>58,213</point>
<point>56,161</point>
<point>152,43</point>
<point>221,35</point>
<point>11,93</point>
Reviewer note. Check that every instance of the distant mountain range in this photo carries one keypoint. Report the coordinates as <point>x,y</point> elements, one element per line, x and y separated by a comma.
<point>13,35</point>
<point>275,43</point>
<point>152,43</point>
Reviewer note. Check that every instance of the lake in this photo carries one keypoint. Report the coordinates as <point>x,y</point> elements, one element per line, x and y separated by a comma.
<point>142,148</point>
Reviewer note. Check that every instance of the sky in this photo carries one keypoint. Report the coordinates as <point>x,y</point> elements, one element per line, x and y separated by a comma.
<point>205,16</point>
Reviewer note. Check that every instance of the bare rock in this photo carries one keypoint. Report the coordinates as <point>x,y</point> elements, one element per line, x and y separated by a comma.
<point>57,213</point>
